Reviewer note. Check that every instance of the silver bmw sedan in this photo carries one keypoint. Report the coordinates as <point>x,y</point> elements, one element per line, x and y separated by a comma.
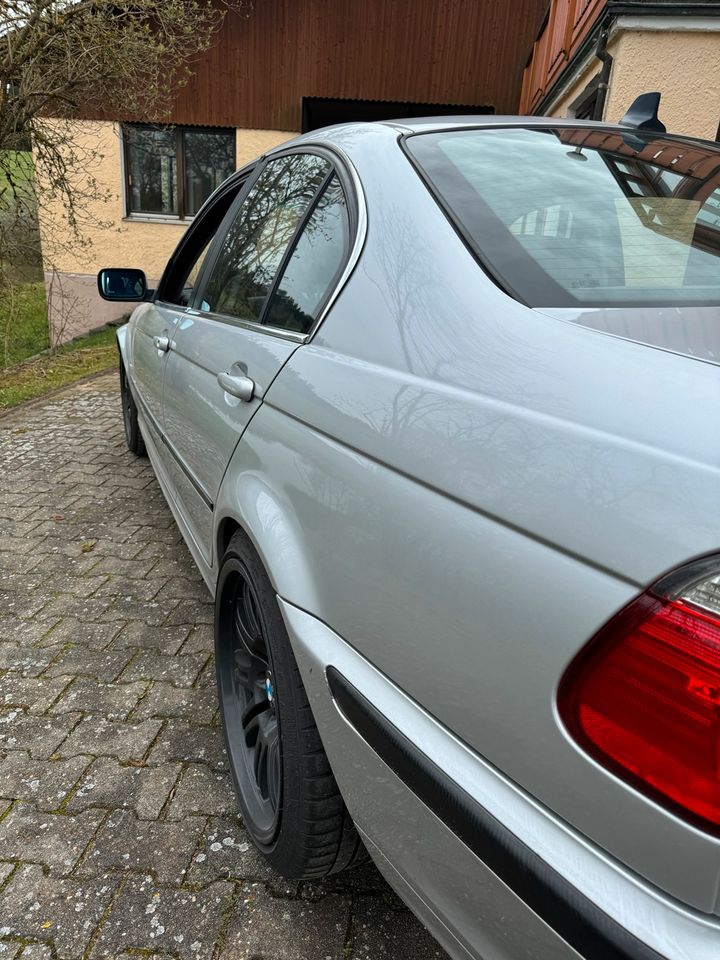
<point>436,406</point>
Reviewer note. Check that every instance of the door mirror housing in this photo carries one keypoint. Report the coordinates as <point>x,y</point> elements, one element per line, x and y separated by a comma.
<point>122,283</point>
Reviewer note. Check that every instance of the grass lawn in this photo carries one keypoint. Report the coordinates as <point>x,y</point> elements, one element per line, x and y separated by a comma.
<point>24,326</point>
<point>23,310</point>
<point>25,333</point>
<point>72,362</point>
<point>18,165</point>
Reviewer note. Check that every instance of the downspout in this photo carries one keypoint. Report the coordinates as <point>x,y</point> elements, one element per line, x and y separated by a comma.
<point>604,81</point>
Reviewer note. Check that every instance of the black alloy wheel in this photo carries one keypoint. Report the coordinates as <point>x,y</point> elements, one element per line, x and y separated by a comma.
<point>249,711</point>
<point>290,801</point>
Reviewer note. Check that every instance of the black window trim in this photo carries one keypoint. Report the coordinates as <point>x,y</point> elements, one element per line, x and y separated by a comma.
<point>339,168</point>
<point>293,245</point>
<point>453,220</point>
<point>179,131</point>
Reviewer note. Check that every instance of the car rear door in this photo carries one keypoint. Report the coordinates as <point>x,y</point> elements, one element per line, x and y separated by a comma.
<point>152,331</point>
<point>243,325</point>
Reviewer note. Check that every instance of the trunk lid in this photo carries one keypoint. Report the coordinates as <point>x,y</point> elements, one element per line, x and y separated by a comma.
<point>690,331</point>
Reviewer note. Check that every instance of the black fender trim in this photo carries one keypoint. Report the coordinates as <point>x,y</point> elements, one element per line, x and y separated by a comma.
<point>567,911</point>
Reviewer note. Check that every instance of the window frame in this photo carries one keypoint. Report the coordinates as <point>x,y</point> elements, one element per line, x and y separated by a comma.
<point>356,232</point>
<point>179,131</point>
<point>584,105</point>
<point>186,249</point>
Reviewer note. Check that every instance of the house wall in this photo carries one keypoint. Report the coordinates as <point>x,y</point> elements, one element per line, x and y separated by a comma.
<point>264,60</point>
<point>567,24</point>
<point>681,60</point>
<point>576,82</point>
<point>108,237</point>
<point>683,65</point>
<point>273,53</point>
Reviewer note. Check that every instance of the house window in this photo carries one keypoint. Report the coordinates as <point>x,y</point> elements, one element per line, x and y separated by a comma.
<point>586,105</point>
<point>171,171</point>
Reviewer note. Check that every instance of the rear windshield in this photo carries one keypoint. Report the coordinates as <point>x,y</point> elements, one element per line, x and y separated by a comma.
<point>576,216</point>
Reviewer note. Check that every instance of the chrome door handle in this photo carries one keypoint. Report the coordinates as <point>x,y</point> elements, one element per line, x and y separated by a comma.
<point>162,343</point>
<point>240,387</point>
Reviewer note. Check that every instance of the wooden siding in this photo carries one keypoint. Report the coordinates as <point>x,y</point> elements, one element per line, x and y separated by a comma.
<point>568,23</point>
<point>432,51</point>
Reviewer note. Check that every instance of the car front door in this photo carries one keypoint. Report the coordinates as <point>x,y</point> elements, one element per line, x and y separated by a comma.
<point>155,325</point>
<point>152,332</point>
<point>251,311</point>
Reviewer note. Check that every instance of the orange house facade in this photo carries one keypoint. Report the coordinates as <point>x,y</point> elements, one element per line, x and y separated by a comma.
<point>591,58</point>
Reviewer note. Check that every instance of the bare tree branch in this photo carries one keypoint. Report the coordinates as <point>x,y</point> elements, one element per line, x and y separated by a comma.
<point>62,60</point>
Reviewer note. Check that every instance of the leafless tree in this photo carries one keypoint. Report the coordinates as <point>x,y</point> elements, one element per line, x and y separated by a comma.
<point>62,60</point>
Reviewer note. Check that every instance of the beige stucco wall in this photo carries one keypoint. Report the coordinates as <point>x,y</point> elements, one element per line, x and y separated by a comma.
<point>250,144</point>
<point>109,239</point>
<point>683,64</point>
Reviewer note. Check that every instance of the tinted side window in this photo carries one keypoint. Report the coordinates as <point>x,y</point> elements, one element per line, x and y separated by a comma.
<point>259,235</point>
<point>318,255</point>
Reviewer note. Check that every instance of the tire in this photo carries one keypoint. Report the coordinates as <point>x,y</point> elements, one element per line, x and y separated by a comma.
<point>287,793</point>
<point>133,436</point>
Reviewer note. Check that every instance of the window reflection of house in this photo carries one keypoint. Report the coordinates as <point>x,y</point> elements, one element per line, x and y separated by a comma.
<point>666,171</point>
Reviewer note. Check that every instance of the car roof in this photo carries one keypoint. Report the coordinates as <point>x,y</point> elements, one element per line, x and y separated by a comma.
<point>417,124</point>
<point>414,125</point>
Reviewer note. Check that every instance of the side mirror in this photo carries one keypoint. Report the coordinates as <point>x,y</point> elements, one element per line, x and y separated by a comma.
<point>122,283</point>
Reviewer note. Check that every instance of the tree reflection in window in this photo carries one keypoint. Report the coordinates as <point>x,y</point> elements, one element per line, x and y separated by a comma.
<point>318,256</point>
<point>258,237</point>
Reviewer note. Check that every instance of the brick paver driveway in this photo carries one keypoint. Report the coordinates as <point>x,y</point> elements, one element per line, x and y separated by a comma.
<point>118,831</point>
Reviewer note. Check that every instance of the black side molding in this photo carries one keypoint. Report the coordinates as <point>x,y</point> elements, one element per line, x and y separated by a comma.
<point>586,928</point>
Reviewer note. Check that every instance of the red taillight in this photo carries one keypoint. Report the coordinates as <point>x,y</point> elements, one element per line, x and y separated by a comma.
<point>643,698</point>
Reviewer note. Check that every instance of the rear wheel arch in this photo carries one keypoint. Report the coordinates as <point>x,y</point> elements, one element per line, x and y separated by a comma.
<point>249,504</point>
